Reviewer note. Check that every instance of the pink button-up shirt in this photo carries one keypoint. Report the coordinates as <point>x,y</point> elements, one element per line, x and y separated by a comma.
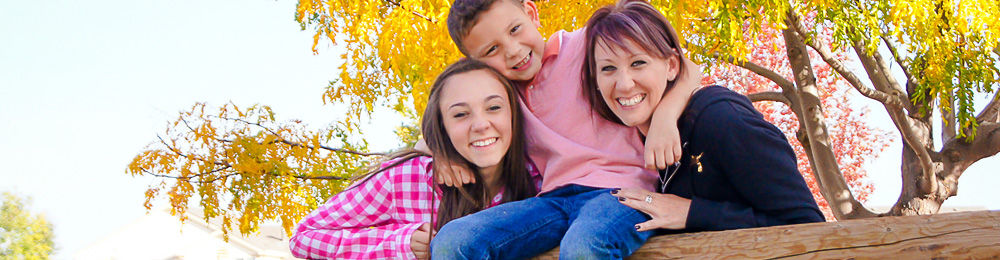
<point>568,141</point>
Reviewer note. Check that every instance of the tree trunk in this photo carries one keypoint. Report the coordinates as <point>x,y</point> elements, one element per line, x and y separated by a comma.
<point>817,142</point>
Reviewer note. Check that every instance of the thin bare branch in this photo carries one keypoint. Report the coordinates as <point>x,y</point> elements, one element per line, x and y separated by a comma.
<point>769,96</point>
<point>181,154</point>
<point>192,177</point>
<point>296,144</point>
<point>899,59</point>
<point>400,6</point>
<point>840,68</point>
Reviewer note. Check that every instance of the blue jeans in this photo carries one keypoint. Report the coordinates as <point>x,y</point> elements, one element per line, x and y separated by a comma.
<point>587,223</point>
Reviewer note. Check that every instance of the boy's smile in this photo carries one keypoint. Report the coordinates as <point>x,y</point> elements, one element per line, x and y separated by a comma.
<point>507,38</point>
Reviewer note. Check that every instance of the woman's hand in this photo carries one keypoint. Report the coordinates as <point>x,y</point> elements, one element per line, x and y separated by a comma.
<point>420,242</point>
<point>667,210</point>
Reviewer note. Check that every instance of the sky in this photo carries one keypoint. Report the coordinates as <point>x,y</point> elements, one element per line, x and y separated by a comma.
<point>85,86</point>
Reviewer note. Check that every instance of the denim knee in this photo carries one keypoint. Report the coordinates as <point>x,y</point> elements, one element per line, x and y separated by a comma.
<point>592,247</point>
<point>455,241</point>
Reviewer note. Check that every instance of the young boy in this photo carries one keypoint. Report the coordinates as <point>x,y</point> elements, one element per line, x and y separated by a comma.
<point>583,157</point>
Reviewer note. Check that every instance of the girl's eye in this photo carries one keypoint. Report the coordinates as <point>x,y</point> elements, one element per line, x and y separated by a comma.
<point>514,30</point>
<point>493,108</point>
<point>638,63</point>
<point>460,115</point>
<point>608,68</point>
<point>491,50</point>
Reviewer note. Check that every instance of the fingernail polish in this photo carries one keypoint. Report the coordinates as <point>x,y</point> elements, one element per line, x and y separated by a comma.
<point>636,227</point>
<point>621,198</point>
<point>615,191</point>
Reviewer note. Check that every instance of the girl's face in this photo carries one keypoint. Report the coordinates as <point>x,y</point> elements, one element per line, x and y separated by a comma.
<point>632,81</point>
<point>476,112</point>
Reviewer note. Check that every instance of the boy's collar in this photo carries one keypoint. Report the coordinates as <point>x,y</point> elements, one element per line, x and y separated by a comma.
<point>552,46</point>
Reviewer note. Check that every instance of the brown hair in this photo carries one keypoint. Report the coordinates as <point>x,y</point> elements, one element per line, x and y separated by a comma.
<point>464,14</point>
<point>613,25</point>
<point>469,198</point>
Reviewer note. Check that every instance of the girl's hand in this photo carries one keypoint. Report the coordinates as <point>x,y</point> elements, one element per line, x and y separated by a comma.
<point>667,210</point>
<point>420,242</point>
<point>452,174</point>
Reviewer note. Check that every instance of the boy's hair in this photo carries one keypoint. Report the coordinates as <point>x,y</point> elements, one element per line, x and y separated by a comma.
<point>612,26</point>
<point>464,14</point>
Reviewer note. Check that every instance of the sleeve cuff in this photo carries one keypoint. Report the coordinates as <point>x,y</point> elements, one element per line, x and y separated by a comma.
<point>405,233</point>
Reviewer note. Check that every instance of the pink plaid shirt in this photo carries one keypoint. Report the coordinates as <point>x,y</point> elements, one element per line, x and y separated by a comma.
<point>375,219</point>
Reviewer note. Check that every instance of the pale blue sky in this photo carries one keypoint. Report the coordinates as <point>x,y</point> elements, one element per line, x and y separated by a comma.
<point>85,86</point>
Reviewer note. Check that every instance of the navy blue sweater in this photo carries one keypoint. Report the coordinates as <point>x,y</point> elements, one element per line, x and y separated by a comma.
<point>738,169</point>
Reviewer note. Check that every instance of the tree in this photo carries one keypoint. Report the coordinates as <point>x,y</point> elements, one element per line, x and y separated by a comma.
<point>855,141</point>
<point>245,165</point>
<point>23,235</point>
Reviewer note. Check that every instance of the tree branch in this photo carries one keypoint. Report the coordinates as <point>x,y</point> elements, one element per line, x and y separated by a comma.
<point>296,144</point>
<point>948,127</point>
<point>990,113</point>
<point>769,96</point>
<point>876,69</point>
<point>400,6</point>
<point>898,58</point>
<point>841,69</point>
<point>759,70</point>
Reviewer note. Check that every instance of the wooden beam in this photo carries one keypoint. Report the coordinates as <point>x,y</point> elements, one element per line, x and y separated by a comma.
<point>962,235</point>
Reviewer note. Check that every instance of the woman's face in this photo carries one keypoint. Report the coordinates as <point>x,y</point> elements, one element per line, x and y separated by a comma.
<point>632,81</point>
<point>476,112</point>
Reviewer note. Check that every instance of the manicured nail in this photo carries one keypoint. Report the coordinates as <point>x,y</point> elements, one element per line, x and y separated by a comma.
<point>636,227</point>
<point>615,191</point>
<point>621,198</point>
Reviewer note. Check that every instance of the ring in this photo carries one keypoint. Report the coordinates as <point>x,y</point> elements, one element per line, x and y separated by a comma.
<point>649,199</point>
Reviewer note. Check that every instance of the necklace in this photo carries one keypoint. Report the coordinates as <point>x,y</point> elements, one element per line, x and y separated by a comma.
<point>664,180</point>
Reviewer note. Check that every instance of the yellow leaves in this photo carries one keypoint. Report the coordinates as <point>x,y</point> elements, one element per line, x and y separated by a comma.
<point>243,165</point>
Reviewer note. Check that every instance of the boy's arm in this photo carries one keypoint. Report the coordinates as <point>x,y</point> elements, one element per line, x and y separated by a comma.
<point>663,142</point>
<point>446,173</point>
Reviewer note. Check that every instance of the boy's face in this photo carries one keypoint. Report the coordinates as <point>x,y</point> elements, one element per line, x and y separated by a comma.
<point>507,38</point>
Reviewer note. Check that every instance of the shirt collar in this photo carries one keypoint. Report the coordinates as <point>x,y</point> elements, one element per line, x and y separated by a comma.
<point>552,46</point>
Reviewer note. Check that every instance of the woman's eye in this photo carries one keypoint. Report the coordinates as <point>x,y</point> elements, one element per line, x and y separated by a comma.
<point>608,68</point>
<point>638,63</point>
<point>514,30</point>
<point>493,108</point>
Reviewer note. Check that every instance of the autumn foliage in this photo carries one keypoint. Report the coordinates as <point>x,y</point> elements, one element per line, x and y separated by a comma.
<point>241,164</point>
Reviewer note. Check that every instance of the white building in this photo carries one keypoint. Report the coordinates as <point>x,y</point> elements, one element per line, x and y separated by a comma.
<point>160,236</point>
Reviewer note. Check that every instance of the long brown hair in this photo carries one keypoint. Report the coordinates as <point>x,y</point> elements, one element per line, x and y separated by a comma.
<point>469,198</point>
<point>612,25</point>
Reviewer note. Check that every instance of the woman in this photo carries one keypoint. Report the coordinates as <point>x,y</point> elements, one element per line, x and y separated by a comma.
<point>471,117</point>
<point>736,169</point>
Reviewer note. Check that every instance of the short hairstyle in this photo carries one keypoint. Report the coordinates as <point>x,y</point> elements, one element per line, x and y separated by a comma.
<point>464,14</point>
<point>613,25</point>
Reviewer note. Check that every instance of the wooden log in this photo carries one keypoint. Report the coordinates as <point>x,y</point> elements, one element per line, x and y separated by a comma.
<point>962,235</point>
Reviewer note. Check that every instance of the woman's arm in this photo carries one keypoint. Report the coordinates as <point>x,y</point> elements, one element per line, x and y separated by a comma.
<point>363,222</point>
